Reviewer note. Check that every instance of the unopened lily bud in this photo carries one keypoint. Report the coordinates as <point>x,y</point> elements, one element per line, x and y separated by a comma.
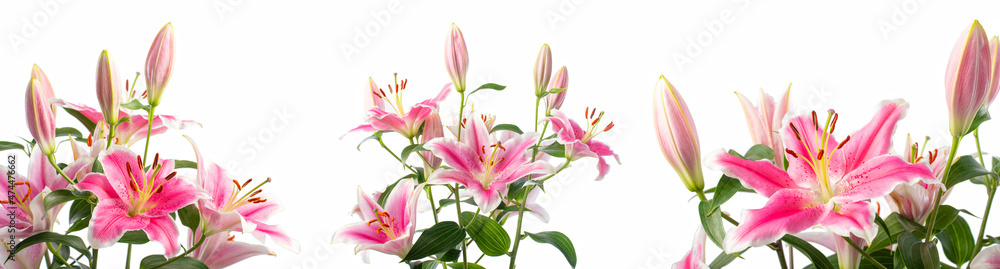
<point>543,69</point>
<point>109,90</point>
<point>43,80</point>
<point>677,135</point>
<point>994,71</point>
<point>967,78</point>
<point>159,64</point>
<point>40,121</point>
<point>555,100</point>
<point>456,57</point>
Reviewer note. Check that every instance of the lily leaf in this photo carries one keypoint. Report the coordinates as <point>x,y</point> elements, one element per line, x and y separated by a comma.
<point>442,236</point>
<point>957,242</point>
<point>5,145</point>
<point>506,127</point>
<point>491,238</point>
<point>712,222</point>
<point>558,240</point>
<point>817,258</point>
<point>965,168</point>
<point>410,150</point>
<point>55,238</point>
<point>916,254</point>
<point>491,86</point>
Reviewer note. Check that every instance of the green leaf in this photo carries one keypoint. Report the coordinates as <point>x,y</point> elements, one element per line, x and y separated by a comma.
<point>442,236</point>
<point>558,240</point>
<point>137,237</point>
<point>59,197</point>
<point>491,86</point>
<point>982,115</point>
<point>79,215</point>
<point>491,238</point>
<point>945,215</point>
<point>425,265</point>
<point>957,242</point>
<point>759,152</point>
<point>375,136</point>
<point>50,237</point>
<point>712,222</point>
<point>178,164</point>
<point>555,150</point>
<point>60,132</point>
<point>189,216</point>
<point>963,169</point>
<point>83,119</point>
<point>461,265</point>
<point>180,263</point>
<point>556,90</point>
<point>726,188</point>
<point>382,198</point>
<point>817,258</point>
<point>916,254</point>
<point>5,145</point>
<point>451,255</point>
<point>506,127</point>
<point>889,230</point>
<point>135,105</point>
<point>410,150</point>
<point>724,259</point>
<point>447,202</point>
<point>515,188</point>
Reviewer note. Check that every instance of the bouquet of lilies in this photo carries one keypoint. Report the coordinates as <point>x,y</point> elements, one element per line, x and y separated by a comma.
<point>824,190</point>
<point>500,166</point>
<point>120,195</point>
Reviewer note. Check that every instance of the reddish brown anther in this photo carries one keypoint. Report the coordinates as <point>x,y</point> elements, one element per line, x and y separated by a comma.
<point>90,140</point>
<point>135,187</point>
<point>790,152</point>
<point>610,125</point>
<point>819,156</point>
<point>171,175</point>
<point>815,121</point>
<point>833,124</point>
<point>237,183</point>
<point>246,183</point>
<point>231,237</point>
<point>795,131</point>
<point>138,159</point>
<point>842,143</point>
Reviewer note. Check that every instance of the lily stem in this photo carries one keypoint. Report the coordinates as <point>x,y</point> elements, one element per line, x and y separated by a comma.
<point>128,257</point>
<point>520,208</point>
<point>427,188</point>
<point>991,189</point>
<point>955,140</point>
<point>395,156</point>
<point>55,253</point>
<point>149,133</point>
<point>458,209</point>
<point>781,254</point>
<point>93,260</point>
<point>863,253</point>
<point>52,161</point>
<point>461,115</point>
<point>196,246</point>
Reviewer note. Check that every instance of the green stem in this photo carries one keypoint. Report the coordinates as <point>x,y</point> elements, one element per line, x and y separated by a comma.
<point>981,240</point>
<point>427,188</point>
<point>458,209</point>
<point>461,115</point>
<point>149,134</point>
<point>955,140</point>
<point>55,253</point>
<point>395,156</point>
<point>128,257</point>
<point>93,259</point>
<point>196,246</point>
<point>520,208</point>
<point>566,164</point>
<point>517,236</point>
<point>781,254</point>
<point>52,161</point>
<point>863,253</point>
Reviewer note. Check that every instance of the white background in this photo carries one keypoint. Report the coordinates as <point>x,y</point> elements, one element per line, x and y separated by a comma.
<point>277,73</point>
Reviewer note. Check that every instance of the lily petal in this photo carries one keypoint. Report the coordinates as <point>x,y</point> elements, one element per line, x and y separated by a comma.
<point>987,258</point>
<point>110,222</point>
<point>856,218</point>
<point>762,176</point>
<point>788,211</point>
<point>162,229</point>
<point>877,177</point>
<point>870,141</point>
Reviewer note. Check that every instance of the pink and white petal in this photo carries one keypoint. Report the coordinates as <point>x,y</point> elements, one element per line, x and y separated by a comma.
<point>278,235</point>
<point>28,258</point>
<point>877,177</point>
<point>382,120</point>
<point>230,252</point>
<point>41,174</point>
<point>487,200</point>
<point>110,221</point>
<point>515,151</point>
<point>602,168</point>
<point>98,184</point>
<point>457,155</point>
<point>761,175</point>
<point>368,206</point>
<point>440,96</point>
<point>399,198</point>
<point>694,259</point>
<point>115,162</point>
<point>359,233</point>
<point>578,150</point>
<point>510,175</point>
<point>825,239</point>
<point>856,218</point>
<point>476,135</point>
<point>444,176</point>
<point>214,181</point>
<point>872,140</point>
<point>568,133</point>
<point>217,222</point>
<point>756,124</point>
<point>805,147</point>
<point>788,211</point>
<point>399,246</point>
<point>261,211</point>
<point>90,113</point>
<point>176,194</point>
<point>164,230</point>
<point>988,258</point>
<point>75,170</point>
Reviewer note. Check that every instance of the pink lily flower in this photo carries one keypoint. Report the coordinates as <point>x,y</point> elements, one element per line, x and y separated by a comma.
<point>220,251</point>
<point>388,230</point>
<point>41,121</point>
<point>531,206</point>
<point>29,214</point>
<point>109,89</point>
<point>847,257</point>
<point>914,201</point>
<point>988,258</point>
<point>764,120</point>
<point>695,259</point>
<point>136,128</point>
<point>484,165</point>
<point>235,206</point>
<point>159,63</point>
<point>677,135</point>
<point>561,81</point>
<point>967,78</point>
<point>456,57</point>
<point>579,142</point>
<point>828,183</point>
<point>37,73</point>
<point>406,123</point>
<point>133,199</point>
<point>433,128</point>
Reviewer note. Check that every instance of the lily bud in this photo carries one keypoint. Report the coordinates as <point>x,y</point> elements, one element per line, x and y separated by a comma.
<point>677,135</point>
<point>433,128</point>
<point>967,78</point>
<point>43,80</point>
<point>456,57</point>
<point>41,122</point>
<point>109,90</point>
<point>373,99</point>
<point>159,64</point>
<point>543,69</point>
<point>555,100</point>
<point>994,71</point>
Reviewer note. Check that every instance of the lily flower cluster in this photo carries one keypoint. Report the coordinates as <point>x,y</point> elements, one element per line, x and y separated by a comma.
<point>502,168</point>
<point>119,196</point>
<point>825,190</point>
